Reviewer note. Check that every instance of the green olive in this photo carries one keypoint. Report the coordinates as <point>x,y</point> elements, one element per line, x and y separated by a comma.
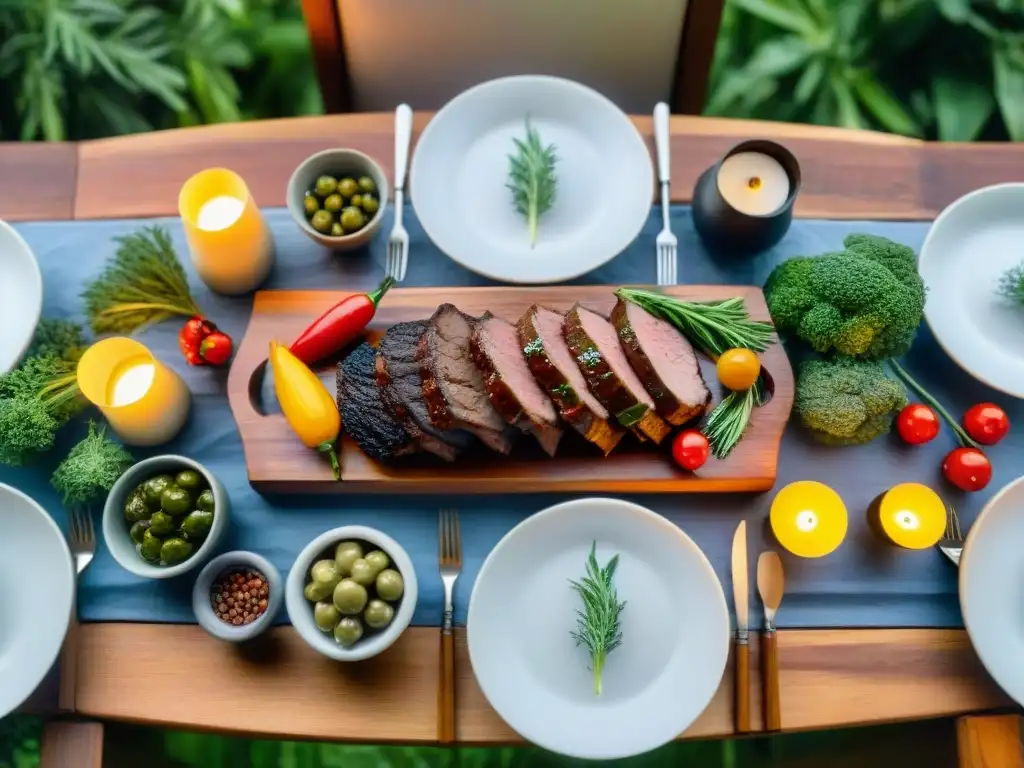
<point>370,204</point>
<point>196,525</point>
<point>138,530</point>
<point>155,488</point>
<point>325,571</point>
<point>161,524</point>
<point>333,203</point>
<point>326,615</point>
<point>378,614</point>
<point>348,631</point>
<point>362,573</point>
<point>326,185</point>
<point>189,479</point>
<point>316,591</point>
<point>175,551</point>
<point>349,597</point>
<point>150,547</point>
<point>310,204</point>
<point>390,585</point>
<point>348,187</point>
<point>357,200</point>
<point>322,221</point>
<point>337,230</point>
<point>377,560</point>
<point>175,501</point>
<point>345,554</point>
<point>366,184</point>
<point>352,219</point>
<point>205,501</point>
<point>136,508</point>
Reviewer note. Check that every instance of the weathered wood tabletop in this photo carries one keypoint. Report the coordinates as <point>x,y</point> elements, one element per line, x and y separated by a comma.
<point>828,677</point>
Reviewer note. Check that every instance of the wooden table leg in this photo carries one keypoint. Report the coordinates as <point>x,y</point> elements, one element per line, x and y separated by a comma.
<point>989,741</point>
<point>69,744</point>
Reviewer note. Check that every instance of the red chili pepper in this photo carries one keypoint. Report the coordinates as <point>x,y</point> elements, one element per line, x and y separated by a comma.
<point>338,325</point>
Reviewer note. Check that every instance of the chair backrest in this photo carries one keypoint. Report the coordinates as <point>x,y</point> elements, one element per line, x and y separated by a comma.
<point>374,54</point>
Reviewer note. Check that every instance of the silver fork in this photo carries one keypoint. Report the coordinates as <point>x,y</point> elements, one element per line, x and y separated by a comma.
<point>82,542</point>
<point>952,542</point>
<point>398,243</point>
<point>666,242</point>
<point>449,558</point>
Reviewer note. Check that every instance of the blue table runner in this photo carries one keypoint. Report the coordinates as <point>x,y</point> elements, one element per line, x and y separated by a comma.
<point>863,584</point>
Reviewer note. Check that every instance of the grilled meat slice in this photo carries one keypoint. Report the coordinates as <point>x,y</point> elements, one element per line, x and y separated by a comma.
<point>363,414</point>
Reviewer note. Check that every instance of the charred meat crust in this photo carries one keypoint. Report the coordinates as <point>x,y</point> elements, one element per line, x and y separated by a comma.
<point>366,419</point>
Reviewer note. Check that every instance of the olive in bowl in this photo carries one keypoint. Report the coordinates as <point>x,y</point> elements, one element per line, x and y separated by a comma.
<point>351,593</point>
<point>337,197</point>
<point>165,516</point>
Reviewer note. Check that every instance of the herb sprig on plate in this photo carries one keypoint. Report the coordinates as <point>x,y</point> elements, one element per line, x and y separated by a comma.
<point>597,625</point>
<point>532,179</point>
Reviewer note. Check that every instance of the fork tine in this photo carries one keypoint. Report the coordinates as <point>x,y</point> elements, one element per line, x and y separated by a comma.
<point>954,524</point>
<point>91,533</point>
<point>456,537</point>
<point>440,535</point>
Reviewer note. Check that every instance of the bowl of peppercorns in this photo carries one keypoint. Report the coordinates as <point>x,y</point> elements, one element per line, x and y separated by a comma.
<point>237,595</point>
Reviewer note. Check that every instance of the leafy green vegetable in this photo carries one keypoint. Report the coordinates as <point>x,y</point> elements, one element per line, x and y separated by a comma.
<point>532,178</point>
<point>597,625</point>
<point>36,399</point>
<point>1011,284</point>
<point>58,338</point>
<point>26,429</point>
<point>91,468</point>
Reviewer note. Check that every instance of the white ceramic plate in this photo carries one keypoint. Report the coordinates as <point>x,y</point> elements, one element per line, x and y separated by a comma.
<point>970,245</point>
<point>36,587</point>
<point>992,587</point>
<point>21,296</point>
<point>675,631</point>
<point>460,169</point>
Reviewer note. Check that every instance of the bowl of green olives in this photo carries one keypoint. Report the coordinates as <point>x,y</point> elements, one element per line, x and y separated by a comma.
<point>165,516</point>
<point>338,197</point>
<point>351,593</point>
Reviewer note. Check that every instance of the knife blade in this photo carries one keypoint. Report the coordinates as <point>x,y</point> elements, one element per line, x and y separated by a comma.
<point>740,597</point>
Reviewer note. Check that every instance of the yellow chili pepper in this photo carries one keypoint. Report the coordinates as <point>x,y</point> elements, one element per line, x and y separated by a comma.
<point>307,405</point>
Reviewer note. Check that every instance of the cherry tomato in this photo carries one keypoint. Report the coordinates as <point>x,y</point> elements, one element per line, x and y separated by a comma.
<point>738,369</point>
<point>917,424</point>
<point>967,468</point>
<point>690,449</point>
<point>987,423</point>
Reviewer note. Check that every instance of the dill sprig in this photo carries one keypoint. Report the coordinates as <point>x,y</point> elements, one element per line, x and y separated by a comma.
<point>143,283</point>
<point>1011,284</point>
<point>531,172</point>
<point>597,625</point>
<point>91,468</point>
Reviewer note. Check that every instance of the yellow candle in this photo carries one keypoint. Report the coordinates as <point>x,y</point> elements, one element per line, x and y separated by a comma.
<point>909,515</point>
<point>230,244</point>
<point>808,518</point>
<point>145,402</point>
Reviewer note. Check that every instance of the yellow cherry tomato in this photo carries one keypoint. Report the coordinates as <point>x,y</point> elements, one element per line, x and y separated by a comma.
<point>738,369</point>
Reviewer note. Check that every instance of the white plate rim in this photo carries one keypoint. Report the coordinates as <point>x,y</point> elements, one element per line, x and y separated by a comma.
<point>632,507</point>
<point>37,289</point>
<point>934,232</point>
<point>416,189</point>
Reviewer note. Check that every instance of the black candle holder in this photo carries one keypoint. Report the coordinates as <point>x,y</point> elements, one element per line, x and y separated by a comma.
<point>728,231</point>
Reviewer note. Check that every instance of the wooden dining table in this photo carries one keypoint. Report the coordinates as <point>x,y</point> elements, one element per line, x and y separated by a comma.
<point>278,687</point>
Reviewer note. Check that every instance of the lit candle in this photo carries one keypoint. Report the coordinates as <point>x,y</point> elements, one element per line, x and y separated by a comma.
<point>753,183</point>
<point>808,518</point>
<point>145,402</point>
<point>229,242</point>
<point>909,515</point>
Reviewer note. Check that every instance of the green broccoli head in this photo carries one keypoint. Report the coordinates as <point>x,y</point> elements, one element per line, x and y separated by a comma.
<point>846,401</point>
<point>866,301</point>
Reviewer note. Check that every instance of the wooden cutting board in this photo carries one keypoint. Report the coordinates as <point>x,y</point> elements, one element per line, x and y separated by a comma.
<point>277,462</point>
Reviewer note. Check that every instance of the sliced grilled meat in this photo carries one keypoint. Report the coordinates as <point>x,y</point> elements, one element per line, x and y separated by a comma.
<point>514,393</point>
<point>363,414</point>
<point>398,376</point>
<point>549,360</point>
<point>453,386</point>
<point>664,361</point>
<point>593,342</point>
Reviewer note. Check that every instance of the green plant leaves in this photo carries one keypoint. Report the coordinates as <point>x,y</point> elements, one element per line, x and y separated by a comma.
<point>886,109</point>
<point>962,107</point>
<point>1008,71</point>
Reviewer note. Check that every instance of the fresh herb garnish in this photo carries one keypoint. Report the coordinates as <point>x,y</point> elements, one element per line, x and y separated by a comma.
<point>566,393</point>
<point>597,625</point>
<point>1011,284</point>
<point>91,468</point>
<point>532,180</point>
<point>630,417</point>
<point>534,347</point>
<point>726,424</point>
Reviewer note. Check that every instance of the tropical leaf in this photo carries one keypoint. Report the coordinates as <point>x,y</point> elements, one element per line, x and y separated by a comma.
<point>886,109</point>
<point>962,107</point>
<point>1009,89</point>
<point>787,14</point>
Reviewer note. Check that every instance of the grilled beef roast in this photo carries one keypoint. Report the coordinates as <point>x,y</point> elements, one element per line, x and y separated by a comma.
<point>592,340</point>
<point>551,363</point>
<point>398,376</point>
<point>453,386</point>
<point>664,361</point>
<point>514,393</point>
<point>363,414</point>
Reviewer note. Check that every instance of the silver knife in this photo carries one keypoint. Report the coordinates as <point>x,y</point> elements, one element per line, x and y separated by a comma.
<point>740,595</point>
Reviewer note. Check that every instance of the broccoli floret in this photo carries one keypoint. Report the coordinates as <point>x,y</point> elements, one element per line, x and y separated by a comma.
<point>26,429</point>
<point>58,338</point>
<point>91,468</point>
<point>866,301</point>
<point>846,401</point>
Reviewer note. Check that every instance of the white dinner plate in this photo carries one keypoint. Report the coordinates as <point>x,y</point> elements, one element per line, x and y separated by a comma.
<point>969,247</point>
<point>675,631</point>
<point>460,169</point>
<point>36,586</point>
<point>21,296</point>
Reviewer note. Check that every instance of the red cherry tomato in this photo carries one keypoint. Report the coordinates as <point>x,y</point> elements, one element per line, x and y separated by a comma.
<point>917,424</point>
<point>967,468</point>
<point>987,423</point>
<point>690,449</point>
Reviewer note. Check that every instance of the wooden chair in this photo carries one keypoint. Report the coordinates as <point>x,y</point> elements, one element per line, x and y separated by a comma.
<point>373,54</point>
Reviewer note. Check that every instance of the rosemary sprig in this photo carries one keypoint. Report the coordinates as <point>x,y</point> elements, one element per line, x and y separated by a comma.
<point>597,625</point>
<point>1011,284</point>
<point>532,180</point>
<point>726,424</point>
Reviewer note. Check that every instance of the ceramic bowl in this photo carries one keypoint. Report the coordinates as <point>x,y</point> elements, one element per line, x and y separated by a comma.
<point>229,561</point>
<point>115,529</point>
<point>300,610</point>
<point>334,162</point>
<point>21,296</point>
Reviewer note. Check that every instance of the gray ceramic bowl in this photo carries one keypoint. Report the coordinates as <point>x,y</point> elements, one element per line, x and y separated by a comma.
<point>335,162</point>
<point>203,609</point>
<point>115,529</point>
<point>300,610</point>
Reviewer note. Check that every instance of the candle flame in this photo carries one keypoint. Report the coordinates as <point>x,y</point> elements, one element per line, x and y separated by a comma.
<point>907,520</point>
<point>806,521</point>
<point>754,182</point>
